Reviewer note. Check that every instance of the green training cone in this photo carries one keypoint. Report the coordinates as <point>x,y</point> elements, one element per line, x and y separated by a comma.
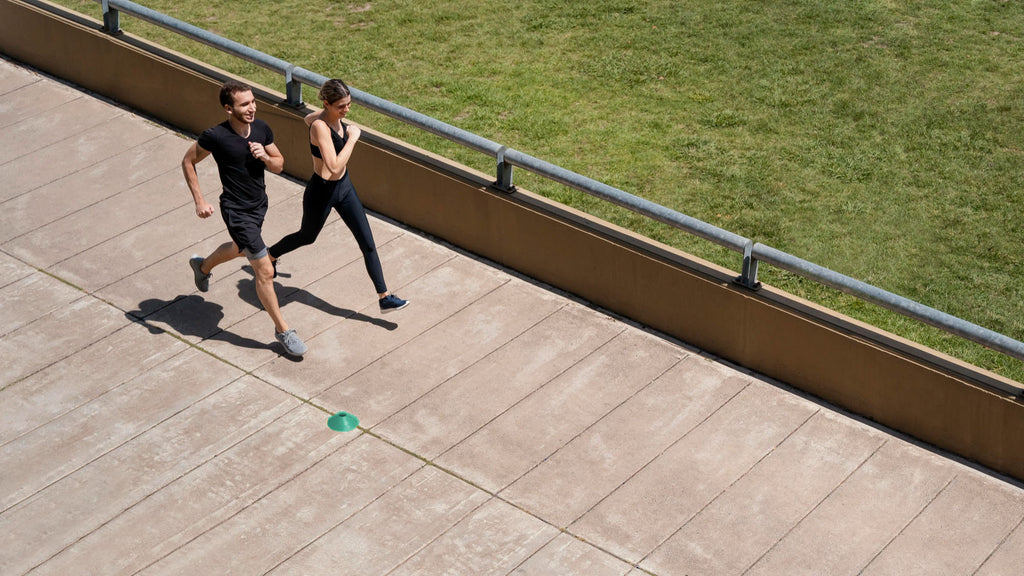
<point>342,422</point>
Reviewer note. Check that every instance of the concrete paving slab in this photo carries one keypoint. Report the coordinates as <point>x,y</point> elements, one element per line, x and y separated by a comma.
<point>135,249</point>
<point>623,442</point>
<point>745,521</point>
<point>843,533</point>
<point>462,405</point>
<point>12,270</point>
<point>397,379</point>
<point>1008,558</point>
<point>24,96</point>
<point>36,130</point>
<point>548,419</point>
<point>652,505</point>
<point>32,297</point>
<point>55,337</point>
<point>73,154</point>
<point>347,347</point>
<point>13,77</point>
<point>233,296</point>
<point>197,502</point>
<point>984,512</point>
<point>158,285</point>
<point>233,288</point>
<point>92,225</point>
<point>347,290</point>
<point>284,215</point>
<point>494,539</point>
<point>59,515</point>
<point>85,434</point>
<point>344,295</point>
<point>47,395</point>
<point>568,556</point>
<point>390,530</point>
<point>149,469</point>
<point>279,187</point>
<point>334,248</point>
<point>291,518</point>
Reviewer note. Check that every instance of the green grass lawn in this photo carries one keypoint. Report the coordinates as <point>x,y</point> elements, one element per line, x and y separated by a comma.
<point>881,138</point>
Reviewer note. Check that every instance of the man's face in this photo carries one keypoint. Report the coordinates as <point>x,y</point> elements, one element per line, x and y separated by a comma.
<point>244,107</point>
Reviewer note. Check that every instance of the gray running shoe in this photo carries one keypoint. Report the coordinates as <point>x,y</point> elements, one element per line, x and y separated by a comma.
<point>202,280</point>
<point>293,345</point>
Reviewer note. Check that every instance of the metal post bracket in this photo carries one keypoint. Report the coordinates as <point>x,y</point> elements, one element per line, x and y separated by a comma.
<point>111,19</point>
<point>504,181</point>
<point>748,278</point>
<point>293,88</point>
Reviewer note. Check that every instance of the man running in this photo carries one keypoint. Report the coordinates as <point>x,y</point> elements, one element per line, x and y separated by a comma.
<point>243,147</point>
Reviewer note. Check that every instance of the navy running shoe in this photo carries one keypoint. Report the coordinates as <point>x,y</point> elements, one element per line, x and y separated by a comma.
<point>390,303</point>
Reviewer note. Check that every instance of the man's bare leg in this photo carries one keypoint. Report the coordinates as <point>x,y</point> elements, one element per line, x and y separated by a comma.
<point>201,267</point>
<point>223,253</point>
<point>263,271</point>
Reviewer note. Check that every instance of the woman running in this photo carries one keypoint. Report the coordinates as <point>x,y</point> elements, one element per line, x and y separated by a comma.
<point>331,143</point>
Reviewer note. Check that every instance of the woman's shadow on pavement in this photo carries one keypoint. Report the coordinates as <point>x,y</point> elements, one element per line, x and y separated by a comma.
<point>288,294</point>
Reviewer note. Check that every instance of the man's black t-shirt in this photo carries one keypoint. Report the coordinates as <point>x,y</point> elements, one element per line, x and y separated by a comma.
<point>241,175</point>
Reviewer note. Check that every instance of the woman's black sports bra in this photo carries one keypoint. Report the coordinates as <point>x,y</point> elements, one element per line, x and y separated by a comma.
<point>338,139</point>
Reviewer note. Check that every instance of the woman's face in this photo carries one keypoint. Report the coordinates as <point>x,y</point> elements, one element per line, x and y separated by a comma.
<point>339,108</point>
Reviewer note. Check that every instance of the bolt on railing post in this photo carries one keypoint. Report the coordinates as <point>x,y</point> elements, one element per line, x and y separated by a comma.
<point>293,88</point>
<point>504,182</point>
<point>111,19</point>
<point>748,277</point>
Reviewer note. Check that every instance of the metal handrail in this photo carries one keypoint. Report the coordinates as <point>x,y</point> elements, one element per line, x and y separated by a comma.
<point>632,202</point>
<point>112,24</point>
<point>422,121</point>
<point>752,252</point>
<point>886,299</point>
<point>507,157</point>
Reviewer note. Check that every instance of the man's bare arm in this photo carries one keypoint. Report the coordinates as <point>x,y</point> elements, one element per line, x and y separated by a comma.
<point>193,156</point>
<point>274,159</point>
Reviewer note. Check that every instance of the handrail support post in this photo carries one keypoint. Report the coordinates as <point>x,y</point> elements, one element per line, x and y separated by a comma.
<point>748,278</point>
<point>293,88</point>
<point>504,181</point>
<point>111,19</point>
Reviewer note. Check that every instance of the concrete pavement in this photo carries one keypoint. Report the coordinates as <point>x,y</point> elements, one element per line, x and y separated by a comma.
<point>147,428</point>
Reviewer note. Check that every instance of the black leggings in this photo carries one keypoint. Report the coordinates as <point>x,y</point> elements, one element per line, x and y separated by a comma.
<point>318,199</point>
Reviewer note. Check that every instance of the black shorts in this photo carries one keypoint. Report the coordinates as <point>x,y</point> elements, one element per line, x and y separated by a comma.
<point>246,229</point>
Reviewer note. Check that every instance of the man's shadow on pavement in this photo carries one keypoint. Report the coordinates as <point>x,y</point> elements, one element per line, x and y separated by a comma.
<point>197,317</point>
<point>190,316</point>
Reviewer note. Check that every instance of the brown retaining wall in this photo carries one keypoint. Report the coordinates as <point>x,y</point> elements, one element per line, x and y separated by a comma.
<point>907,387</point>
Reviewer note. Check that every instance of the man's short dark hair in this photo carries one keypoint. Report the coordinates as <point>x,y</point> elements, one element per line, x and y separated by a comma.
<point>228,90</point>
